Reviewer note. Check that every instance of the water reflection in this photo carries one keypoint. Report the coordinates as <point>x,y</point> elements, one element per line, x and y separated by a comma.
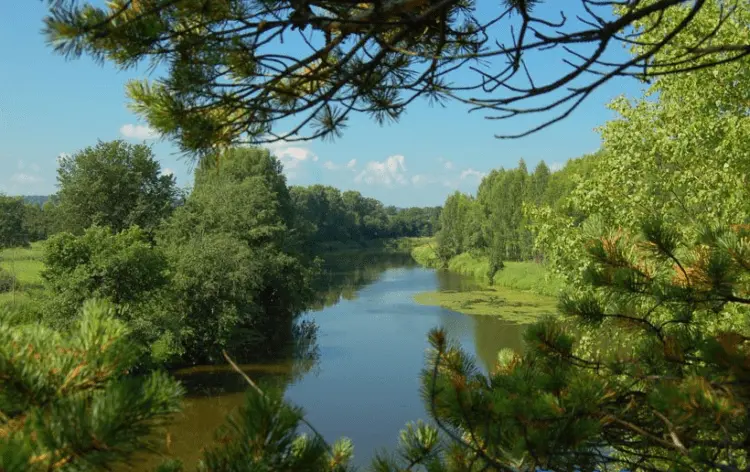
<point>343,276</point>
<point>370,346</point>
<point>487,334</point>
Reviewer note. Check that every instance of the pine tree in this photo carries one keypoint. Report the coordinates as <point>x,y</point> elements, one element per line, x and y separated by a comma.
<point>66,401</point>
<point>662,386</point>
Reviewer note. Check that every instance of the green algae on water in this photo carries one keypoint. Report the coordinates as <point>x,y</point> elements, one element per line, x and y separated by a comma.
<point>512,305</point>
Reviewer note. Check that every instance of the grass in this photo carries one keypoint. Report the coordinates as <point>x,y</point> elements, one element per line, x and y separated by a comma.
<point>523,276</point>
<point>511,305</point>
<point>26,265</point>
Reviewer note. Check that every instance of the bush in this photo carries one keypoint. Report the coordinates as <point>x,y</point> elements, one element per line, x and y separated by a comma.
<point>7,281</point>
<point>123,268</point>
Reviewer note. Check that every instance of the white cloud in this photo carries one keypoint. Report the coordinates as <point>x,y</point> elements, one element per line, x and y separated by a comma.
<point>471,173</point>
<point>555,166</point>
<point>330,165</point>
<point>62,156</point>
<point>21,165</point>
<point>138,132</point>
<point>448,165</point>
<point>21,178</point>
<point>290,154</point>
<point>390,171</point>
<point>351,164</point>
<point>167,171</point>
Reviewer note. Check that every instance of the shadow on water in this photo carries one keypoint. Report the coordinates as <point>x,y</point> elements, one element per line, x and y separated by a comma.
<point>363,382</point>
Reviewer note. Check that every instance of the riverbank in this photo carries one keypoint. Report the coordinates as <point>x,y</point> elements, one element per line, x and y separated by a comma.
<point>26,265</point>
<point>521,292</point>
<point>524,276</point>
<point>374,246</point>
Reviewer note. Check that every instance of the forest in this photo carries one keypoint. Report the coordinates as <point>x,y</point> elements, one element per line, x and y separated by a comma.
<point>644,366</point>
<point>228,264</point>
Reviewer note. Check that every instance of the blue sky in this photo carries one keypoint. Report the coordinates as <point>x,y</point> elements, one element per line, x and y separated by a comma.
<point>50,106</point>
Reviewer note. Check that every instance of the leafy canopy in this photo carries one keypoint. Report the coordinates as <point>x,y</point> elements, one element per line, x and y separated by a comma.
<point>113,184</point>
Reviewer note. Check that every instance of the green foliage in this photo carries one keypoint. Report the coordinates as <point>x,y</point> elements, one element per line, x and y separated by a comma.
<point>497,225</point>
<point>7,281</point>
<point>647,368</point>
<point>123,268</point>
<point>113,184</point>
<point>263,435</point>
<point>13,232</point>
<point>457,225</point>
<point>239,271</point>
<point>35,222</point>
<point>69,402</point>
<point>523,276</point>
<point>66,401</point>
<point>328,215</point>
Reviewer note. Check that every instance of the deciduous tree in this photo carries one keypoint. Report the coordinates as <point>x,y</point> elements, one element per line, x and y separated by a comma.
<point>113,184</point>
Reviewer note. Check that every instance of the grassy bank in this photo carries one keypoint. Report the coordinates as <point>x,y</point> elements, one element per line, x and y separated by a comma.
<point>522,291</point>
<point>524,276</point>
<point>25,264</point>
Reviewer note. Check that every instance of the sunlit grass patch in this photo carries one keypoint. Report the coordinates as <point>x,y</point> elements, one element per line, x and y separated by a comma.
<point>25,264</point>
<point>524,276</point>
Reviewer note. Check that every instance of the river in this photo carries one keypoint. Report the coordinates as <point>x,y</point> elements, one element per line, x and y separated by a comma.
<point>371,345</point>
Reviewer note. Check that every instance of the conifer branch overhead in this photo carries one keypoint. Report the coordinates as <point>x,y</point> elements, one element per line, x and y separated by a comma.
<point>236,69</point>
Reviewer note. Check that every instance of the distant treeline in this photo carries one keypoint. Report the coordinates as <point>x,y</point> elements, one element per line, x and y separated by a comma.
<point>326,213</point>
<point>332,215</point>
<point>36,199</point>
<point>494,223</point>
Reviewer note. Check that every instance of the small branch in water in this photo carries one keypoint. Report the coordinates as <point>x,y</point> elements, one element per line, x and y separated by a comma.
<point>257,389</point>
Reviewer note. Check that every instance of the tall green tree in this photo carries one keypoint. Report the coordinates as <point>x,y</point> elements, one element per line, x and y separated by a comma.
<point>113,184</point>
<point>240,273</point>
<point>458,221</point>
<point>13,231</point>
<point>35,222</point>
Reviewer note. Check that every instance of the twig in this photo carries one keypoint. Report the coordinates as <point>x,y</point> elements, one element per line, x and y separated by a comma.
<point>257,389</point>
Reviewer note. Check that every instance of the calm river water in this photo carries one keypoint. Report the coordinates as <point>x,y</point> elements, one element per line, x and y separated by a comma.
<point>372,342</point>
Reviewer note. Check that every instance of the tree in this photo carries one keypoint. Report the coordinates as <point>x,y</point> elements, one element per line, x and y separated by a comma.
<point>239,272</point>
<point>122,268</point>
<point>231,79</point>
<point>66,402</point>
<point>113,184</point>
<point>13,231</point>
<point>455,225</point>
<point>35,222</point>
